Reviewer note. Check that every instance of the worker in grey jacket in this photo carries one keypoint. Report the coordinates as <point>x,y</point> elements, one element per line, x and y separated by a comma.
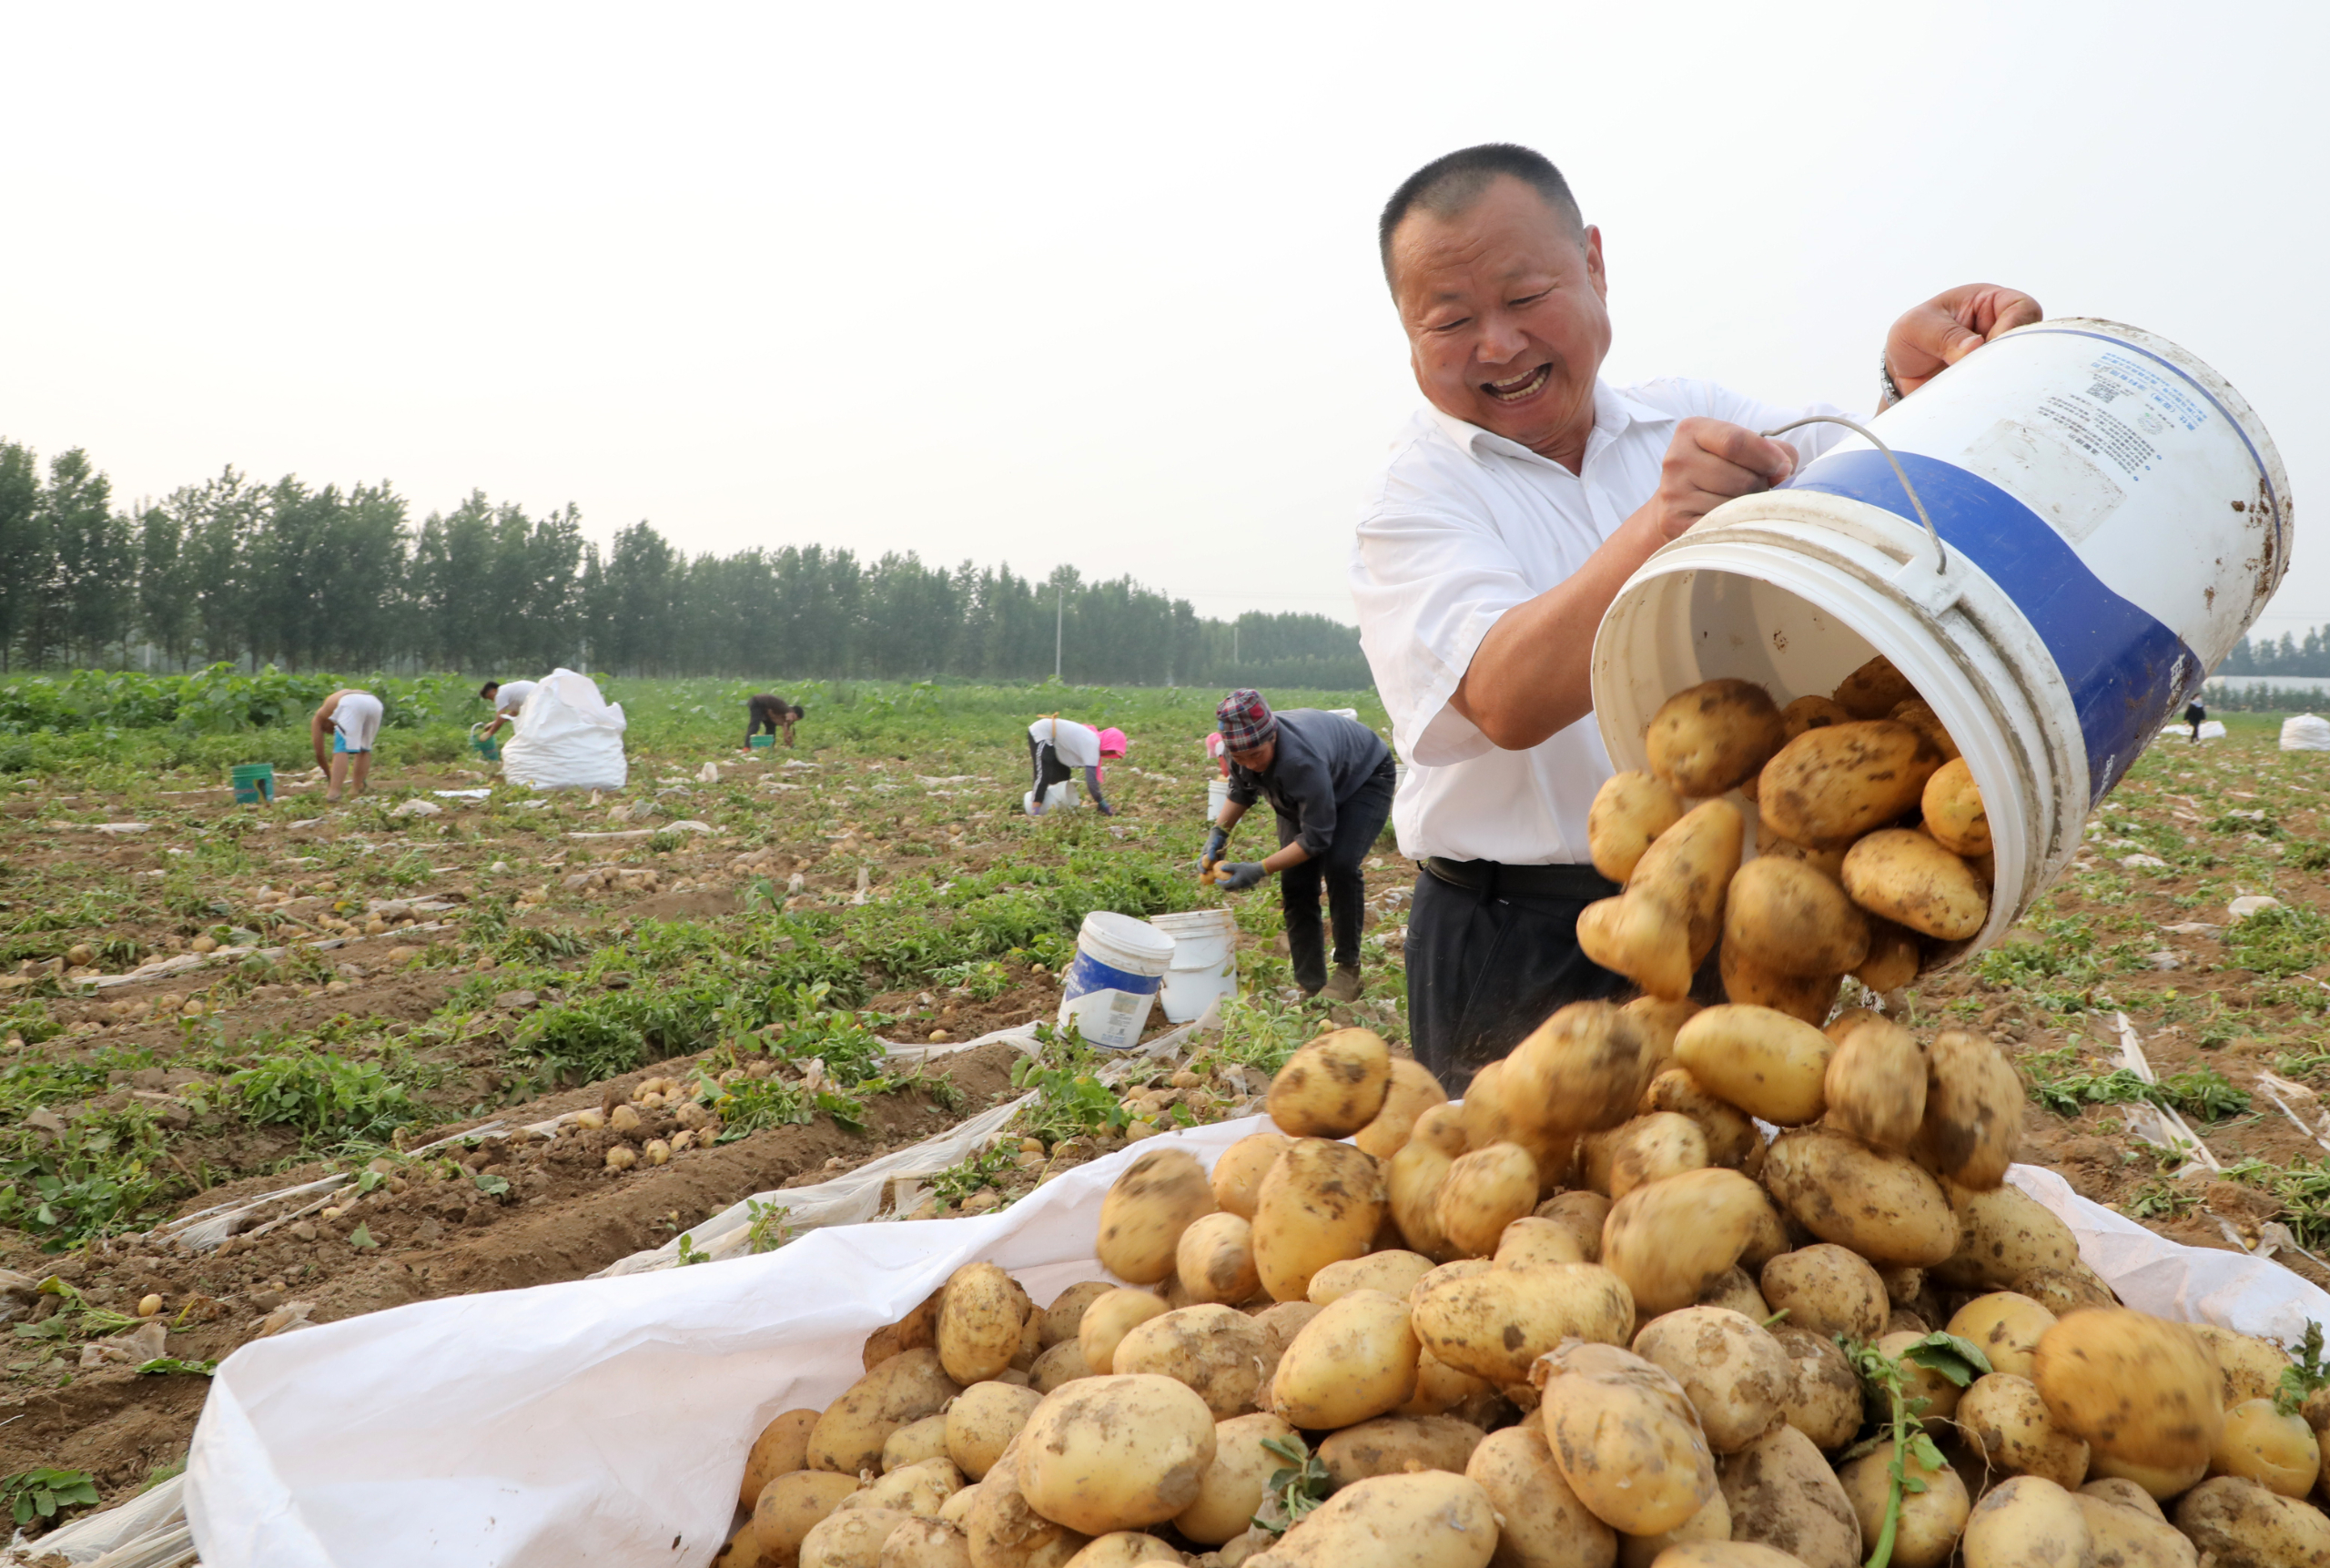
<point>1329,779</point>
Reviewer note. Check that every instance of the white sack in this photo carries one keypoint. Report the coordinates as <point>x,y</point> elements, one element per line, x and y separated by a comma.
<point>594,1421</point>
<point>2306,733</point>
<point>2210,730</point>
<point>567,737</point>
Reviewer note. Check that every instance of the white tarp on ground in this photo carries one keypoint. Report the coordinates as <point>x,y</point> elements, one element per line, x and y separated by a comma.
<point>567,737</point>
<point>2306,733</point>
<point>601,1422</point>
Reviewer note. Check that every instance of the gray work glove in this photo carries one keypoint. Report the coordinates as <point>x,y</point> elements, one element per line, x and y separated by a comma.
<point>1239,875</point>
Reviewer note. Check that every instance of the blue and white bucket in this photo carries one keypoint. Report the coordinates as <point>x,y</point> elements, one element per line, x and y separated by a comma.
<point>2111,514</point>
<point>1120,963</point>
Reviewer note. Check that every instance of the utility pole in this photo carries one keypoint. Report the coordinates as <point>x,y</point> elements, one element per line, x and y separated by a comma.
<point>1233,643</point>
<point>1060,629</point>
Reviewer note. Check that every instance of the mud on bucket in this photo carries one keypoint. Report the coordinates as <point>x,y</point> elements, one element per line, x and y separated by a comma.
<point>2111,517</point>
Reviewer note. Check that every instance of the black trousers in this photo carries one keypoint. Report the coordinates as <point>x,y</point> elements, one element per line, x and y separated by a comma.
<point>1486,967</point>
<point>1050,769</point>
<point>1358,822</point>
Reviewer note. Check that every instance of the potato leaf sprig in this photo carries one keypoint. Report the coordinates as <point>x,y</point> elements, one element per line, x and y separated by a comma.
<point>2307,1375</point>
<point>1295,1489</point>
<point>1887,1377</point>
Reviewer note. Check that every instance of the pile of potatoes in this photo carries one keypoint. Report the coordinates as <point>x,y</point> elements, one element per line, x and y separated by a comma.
<point>1590,1318</point>
<point>1872,848</point>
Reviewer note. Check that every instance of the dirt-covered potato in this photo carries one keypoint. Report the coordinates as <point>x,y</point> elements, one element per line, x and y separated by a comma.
<point>1790,919</point>
<point>2026,1522</point>
<point>1952,809</point>
<point>2004,1419</point>
<point>914,1332</point>
<point>2163,1482</point>
<point>1530,1239</point>
<point>1108,1319</point>
<point>920,1489</point>
<point>1485,1192</point>
<point>2004,1236</point>
<point>1064,1362</point>
<point>1828,788</point>
<point>1629,810</point>
<point>1875,1084</point>
<point>1412,1180</point>
<point>1066,1314</point>
<point>2065,1290</point>
<point>2006,1326</point>
<point>1906,878</point>
<point>1656,1020</point>
<point>1441,1390</point>
<point>2238,1523</point>
<point>790,1505</point>
<point>1238,1174</point>
<point>1782,1495</point>
<point>1874,689</point>
<point>1690,868</point>
<point>1583,1214</point>
<point>1282,1320</point>
<point>782,1446</point>
<point>1235,1484</point>
<point>1894,957</point>
<point>1428,1519</point>
<point>1214,1260</point>
<point>1332,1087</point>
<point>1641,936</point>
<point>1732,1140</point>
<point>1004,1531</point>
<point>850,1537</point>
<point>1736,1291</point>
<point>1412,1090</point>
<point>1827,1288</point>
<point>1919,715</point>
<point>1714,1554</point>
<point>1353,1361</point>
<point>1391,1444</point>
<point>1146,1211</point>
<point>1764,1062</point>
<point>1581,1069</point>
<point>1973,1128</point>
<point>1625,1438</point>
<point>1704,740</point>
<point>2138,1389</point>
<point>1708,1529</point>
<point>1122,1549</point>
<point>1321,1202</point>
<point>1214,1350</point>
<point>2259,1443</point>
<point>926,1543</point>
<point>982,1421</point>
<point>1824,1396</point>
<point>1938,1393</point>
<point>1654,1147</point>
<point>1393,1271</point>
<point>1930,1519</point>
<point>1117,1452</point>
<point>1668,1240</point>
<point>2126,1493</point>
<point>1735,1374</point>
<point>981,1319</point>
<point>2252,1368</point>
<point>1544,1523</point>
<point>2121,1535</point>
<point>1494,1324</point>
<point>1808,999</point>
<point>849,1436</point>
<point>916,1441</point>
<point>1879,1205</point>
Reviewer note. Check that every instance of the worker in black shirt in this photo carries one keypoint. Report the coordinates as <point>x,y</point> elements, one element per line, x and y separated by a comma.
<point>1329,779</point>
<point>772,714</point>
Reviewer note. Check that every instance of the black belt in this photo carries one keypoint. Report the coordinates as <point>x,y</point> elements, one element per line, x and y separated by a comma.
<point>1494,879</point>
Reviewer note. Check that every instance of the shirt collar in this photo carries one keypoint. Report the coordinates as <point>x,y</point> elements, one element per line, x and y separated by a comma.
<point>1614,413</point>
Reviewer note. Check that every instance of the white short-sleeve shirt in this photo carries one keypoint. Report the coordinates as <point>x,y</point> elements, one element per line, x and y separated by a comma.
<point>512,695</point>
<point>1464,525</point>
<point>1076,746</point>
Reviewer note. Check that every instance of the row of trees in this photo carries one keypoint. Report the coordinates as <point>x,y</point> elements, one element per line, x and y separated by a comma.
<point>254,573</point>
<point>2289,656</point>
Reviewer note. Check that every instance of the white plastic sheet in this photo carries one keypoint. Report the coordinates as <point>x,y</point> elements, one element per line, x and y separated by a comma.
<point>2306,733</point>
<point>567,737</point>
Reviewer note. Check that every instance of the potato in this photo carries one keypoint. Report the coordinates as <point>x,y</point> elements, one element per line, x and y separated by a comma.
<point>1629,809</point>
<point>1214,1260</point>
<point>1714,1554</point>
<point>2238,1523</point>
<point>1235,1484</point>
<point>1824,1399</point>
<point>1735,1374</point>
<point>1146,1211</point>
<point>2127,1494</point>
<point>1411,1181</point>
<point>2006,1327</point>
<point>1929,1520</point>
<point>1583,1214</point>
<point>1355,1361</point>
<point>1669,1239</point>
<point>1973,1128</point>
<point>1121,1549</point>
<point>1937,1395</point>
<point>1656,1020</point>
<point>789,1506</point>
<point>1530,1239</point>
<point>926,1543</point>
<point>1394,1272</point>
<point>1828,788</point>
<point>2138,1389</point>
<point>1332,1087</point>
<point>1789,918</point>
<point>914,1332</point>
<point>982,1421</point>
<point>1874,689</point>
<point>2004,1236</point>
<point>1216,1351</point>
<point>1441,1388</point>
<point>1321,1202</point>
<point>1625,1438</point>
<point>1707,1530</point>
<point>1690,868</point>
<point>1734,1289</point>
<point>920,1489</point>
<point>1827,1288</point>
<point>917,1441</point>
<point>1115,1453</point>
<point>1894,955</point>
<point>1544,1525</point>
<point>1704,740</point>
<point>1581,1069</point>
<point>1641,936</point>
<point>1004,1530</point>
<point>1108,1319</point>
<point>2163,1482</point>
<point>1066,1314</point>
<point>1494,1324</point>
<point>1782,1495</point>
<point>2003,1419</point>
<point>742,1549</point>
<point>1393,1444</point>
<point>1952,809</point>
<point>1908,878</point>
<point>1808,999</point>
<point>2252,1368</point>
<point>1876,1086</point>
<point>2279,1452</point>
<point>850,1537</point>
<point>2122,1536</point>
<point>782,1446</point>
<point>849,1436</point>
<point>2027,1521</point>
<point>2064,1291</point>
<point>1732,1138</point>
<point>1428,1519</point>
<point>1412,1090</point>
<point>1280,1321</point>
<point>1485,1192</point>
<point>981,1319</point>
<point>1064,1362</point>
<point>1879,1205</point>
<point>1764,1062</point>
<point>1238,1174</point>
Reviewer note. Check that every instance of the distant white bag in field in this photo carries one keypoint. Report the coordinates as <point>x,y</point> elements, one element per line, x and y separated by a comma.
<point>567,737</point>
<point>2209,730</point>
<point>2306,733</point>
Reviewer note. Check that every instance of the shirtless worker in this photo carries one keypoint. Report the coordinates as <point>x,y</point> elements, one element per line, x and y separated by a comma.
<point>771,713</point>
<point>507,697</point>
<point>352,719</point>
<point>1513,509</point>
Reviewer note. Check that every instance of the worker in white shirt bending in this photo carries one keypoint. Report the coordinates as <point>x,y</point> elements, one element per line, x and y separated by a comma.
<point>352,719</point>
<point>1512,510</point>
<point>1055,746</point>
<point>507,697</point>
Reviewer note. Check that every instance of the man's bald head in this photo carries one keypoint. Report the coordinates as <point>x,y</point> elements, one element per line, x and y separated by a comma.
<point>1449,185</point>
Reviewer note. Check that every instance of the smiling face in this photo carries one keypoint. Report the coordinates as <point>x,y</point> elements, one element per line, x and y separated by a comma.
<point>1505,307</point>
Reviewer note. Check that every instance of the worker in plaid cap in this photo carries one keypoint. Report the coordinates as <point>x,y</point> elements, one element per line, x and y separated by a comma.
<point>1329,778</point>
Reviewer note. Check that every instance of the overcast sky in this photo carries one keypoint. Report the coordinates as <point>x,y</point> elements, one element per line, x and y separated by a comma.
<point>1071,283</point>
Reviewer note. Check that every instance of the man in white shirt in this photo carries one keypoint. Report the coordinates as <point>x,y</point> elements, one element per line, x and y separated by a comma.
<point>507,697</point>
<point>1512,510</point>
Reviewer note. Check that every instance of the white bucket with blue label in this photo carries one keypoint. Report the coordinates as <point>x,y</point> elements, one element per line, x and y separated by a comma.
<point>1108,991</point>
<point>2108,517</point>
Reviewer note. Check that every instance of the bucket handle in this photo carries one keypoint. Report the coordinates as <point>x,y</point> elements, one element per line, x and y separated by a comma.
<point>1940,553</point>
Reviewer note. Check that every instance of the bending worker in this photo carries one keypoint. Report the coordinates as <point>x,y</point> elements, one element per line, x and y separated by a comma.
<point>1330,781</point>
<point>1514,507</point>
<point>771,713</point>
<point>352,719</point>
<point>1056,745</point>
<point>507,697</point>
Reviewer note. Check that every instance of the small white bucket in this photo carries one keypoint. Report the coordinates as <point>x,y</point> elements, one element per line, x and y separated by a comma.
<point>1120,966</point>
<point>2112,517</point>
<point>1062,796</point>
<point>1205,962</point>
<point>1217,795</point>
